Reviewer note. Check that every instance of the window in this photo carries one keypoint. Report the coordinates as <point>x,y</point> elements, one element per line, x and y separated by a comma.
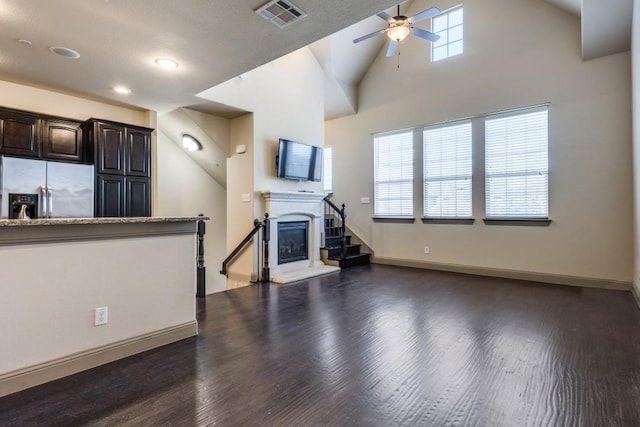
<point>517,173</point>
<point>327,173</point>
<point>393,174</point>
<point>447,171</point>
<point>449,26</point>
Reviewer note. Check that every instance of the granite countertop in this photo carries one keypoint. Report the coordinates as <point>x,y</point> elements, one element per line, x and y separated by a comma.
<point>84,221</point>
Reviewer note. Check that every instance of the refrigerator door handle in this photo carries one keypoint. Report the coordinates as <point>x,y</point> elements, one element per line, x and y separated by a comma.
<point>50,197</point>
<point>45,201</point>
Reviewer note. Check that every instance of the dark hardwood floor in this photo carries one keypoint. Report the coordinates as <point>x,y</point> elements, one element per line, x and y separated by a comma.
<point>372,346</point>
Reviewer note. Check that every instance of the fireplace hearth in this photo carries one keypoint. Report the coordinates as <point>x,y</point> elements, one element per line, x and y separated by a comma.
<point>293,241</point>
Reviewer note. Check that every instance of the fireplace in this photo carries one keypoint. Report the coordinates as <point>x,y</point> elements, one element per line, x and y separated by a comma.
<point>293,241</point>
<point>298,215</point>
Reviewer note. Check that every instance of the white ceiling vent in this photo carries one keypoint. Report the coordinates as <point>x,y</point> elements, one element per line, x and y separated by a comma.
<point>281,12</point>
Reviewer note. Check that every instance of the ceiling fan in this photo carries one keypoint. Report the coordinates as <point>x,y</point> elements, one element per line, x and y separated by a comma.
<point>400,26</point>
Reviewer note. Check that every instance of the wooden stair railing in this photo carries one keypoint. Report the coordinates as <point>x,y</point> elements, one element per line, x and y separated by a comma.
<point>257,226</point>
<point>337,243</point>
<point>342,214</point>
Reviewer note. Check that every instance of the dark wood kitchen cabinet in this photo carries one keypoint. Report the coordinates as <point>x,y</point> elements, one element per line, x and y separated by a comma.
<point>138,194</point>
<point>110,191</point>
<point>62,140</point>
<point>120,151</point>
<point>109,148</point>
<point>138,153</point>
<point>31,135</point>
<point>19,133</point>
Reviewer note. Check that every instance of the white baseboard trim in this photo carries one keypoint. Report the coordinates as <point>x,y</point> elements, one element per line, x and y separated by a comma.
<point>557,279</point>
<point>636,294</point>
<point>21,379</point>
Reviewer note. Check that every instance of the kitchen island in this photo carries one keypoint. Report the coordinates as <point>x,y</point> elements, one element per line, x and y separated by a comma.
<point>55,273</point>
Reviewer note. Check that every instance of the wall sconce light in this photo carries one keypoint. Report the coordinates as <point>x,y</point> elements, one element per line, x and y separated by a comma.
<point>190,143</point>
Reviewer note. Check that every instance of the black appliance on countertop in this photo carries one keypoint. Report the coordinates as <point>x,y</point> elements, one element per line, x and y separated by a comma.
<point>16,200</point>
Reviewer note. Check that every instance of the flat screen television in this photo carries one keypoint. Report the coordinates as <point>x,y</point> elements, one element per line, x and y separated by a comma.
<point>299,161</point>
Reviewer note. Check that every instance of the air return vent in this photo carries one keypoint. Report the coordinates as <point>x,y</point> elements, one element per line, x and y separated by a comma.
<point>281,12</point>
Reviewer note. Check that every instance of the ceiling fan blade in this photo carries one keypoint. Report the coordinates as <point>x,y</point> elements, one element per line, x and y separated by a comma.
<point>425,14</point>
<point>368,36</point>
<point>384,15</point>
<point>424,34</point>
<point>393,46</point>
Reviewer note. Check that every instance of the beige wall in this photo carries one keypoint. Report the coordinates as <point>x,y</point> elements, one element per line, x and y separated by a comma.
<point>43,101</point>
<point>184,189</point>
<point>50,290</point>
<point>635,55</point>
<point>240,215</point>
<point>517,53</point>
<point>286,97</point>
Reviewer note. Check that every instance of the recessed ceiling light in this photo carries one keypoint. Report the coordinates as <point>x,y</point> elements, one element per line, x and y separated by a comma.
<point>25,42</point>
<point>65,52</point>
<point>190,143</point>
<point>121,89</point>
<point>167,63</point>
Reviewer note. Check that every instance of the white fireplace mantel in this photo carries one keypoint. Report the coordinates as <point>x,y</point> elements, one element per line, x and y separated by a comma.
<point>296,206</point>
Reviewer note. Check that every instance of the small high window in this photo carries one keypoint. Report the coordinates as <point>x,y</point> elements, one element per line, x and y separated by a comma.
<point>449,26</point>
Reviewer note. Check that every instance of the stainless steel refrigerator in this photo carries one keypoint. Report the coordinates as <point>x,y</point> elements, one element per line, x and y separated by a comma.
<point>49,189</point>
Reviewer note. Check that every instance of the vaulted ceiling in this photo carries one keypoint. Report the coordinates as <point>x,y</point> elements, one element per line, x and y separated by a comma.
<point>213,41</point>
<point>605,28</point>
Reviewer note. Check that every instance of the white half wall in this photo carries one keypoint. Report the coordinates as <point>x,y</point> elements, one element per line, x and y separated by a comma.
<point>517,53</point>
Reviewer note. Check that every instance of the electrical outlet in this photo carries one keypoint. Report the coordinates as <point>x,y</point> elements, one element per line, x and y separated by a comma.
<point>101,316</point>
<point>426,249</point>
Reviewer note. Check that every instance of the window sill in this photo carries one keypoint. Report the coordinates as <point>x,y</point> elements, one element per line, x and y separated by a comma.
<point>399,220</point>
<point>432,220</point>
<point>539,222</point>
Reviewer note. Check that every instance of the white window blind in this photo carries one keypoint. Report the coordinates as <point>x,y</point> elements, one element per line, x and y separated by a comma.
<point>447,171</point>
<point>517,171</point>
<point>393,174</point>
<point>327,175</point>
<point>450,27</point>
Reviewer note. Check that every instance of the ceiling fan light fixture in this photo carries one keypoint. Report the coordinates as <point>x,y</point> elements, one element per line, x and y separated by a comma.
<point>398,32</point>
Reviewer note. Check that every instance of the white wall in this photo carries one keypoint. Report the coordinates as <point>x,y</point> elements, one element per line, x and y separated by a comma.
<point>635,56</point>
<point>517,53</point>
<point>185,189</point>
<point>286,97</point>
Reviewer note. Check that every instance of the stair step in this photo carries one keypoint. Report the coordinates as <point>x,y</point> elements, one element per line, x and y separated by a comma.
<point>332,231</point>
<point>335,241</point>
<point>359,259</point>
<point>335,252</point>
